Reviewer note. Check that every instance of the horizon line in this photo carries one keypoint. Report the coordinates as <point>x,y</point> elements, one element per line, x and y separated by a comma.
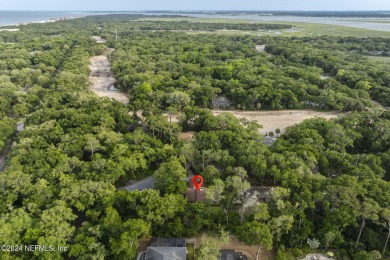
<point>199,10</point>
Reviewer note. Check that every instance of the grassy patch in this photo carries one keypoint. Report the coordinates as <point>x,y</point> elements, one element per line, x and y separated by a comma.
<point>190,251</point>
<point>316,29</point>
<point>200,20</point>
<point>300,29</point>
<point>379,59</point>
<point>215,210</point>
<point>286,255</point>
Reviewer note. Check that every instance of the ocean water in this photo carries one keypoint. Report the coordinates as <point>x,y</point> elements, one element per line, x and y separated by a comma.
<point>15,17</point>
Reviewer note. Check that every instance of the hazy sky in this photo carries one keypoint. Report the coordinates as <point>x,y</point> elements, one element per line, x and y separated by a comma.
<point>91,5</point>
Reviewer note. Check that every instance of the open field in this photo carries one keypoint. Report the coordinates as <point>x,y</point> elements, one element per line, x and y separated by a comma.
<point>199,20</point>
<point>301,28</point>
<point>270,120</point>
<point>379,59</point>
<point>315,29</point>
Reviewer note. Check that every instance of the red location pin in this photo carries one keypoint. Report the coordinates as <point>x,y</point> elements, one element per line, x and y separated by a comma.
<point>197,180</point>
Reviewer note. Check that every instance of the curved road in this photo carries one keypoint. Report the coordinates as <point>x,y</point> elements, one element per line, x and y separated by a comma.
<point>7,150</point>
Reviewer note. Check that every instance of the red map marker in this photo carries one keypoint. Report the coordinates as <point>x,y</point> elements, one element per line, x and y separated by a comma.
<point>197,180</point>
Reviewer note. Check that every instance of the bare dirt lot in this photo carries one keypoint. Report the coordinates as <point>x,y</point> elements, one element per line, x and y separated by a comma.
<point>102,77</point>
<point>235,244</point>
<point>270,120</point>
<point>99,39</point>
<point>249,251</point>
<point>260,48</point>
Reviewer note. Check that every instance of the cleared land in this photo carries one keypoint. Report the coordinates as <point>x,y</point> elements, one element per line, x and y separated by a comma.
<point>235,244</point>
<point>102,77</point>
<point>380,59</point>
<point>270,120</point>
<point>260,48</point>
<point>249,251</point>
<point>99,39</point>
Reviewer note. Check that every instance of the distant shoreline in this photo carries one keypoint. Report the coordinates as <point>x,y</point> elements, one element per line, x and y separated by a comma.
<point>50,20</point>
<point>17,18</point>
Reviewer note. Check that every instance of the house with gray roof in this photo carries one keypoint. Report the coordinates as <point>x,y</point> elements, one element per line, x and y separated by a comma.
<point>165,249</point>
<point>166,253</point>
<point>144,184</point>
<point>260,193</point>
<point>269,141</point>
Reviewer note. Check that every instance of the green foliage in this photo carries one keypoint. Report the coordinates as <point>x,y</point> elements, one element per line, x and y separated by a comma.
<point>363,255</point>
<point>170,178</point>
<point>8,129</point>
<point>255,233</point>
<point>210,246</point>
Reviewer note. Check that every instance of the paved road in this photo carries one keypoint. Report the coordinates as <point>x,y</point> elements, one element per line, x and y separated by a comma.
<point>3,159</point>
<point>6,151</point>
<point>2,164</point>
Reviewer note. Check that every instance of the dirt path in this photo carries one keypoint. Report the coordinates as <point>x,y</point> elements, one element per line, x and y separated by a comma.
<point>102,77</point>
<point>99,39</point>
<point>379,105</point>
<point>270,120</point>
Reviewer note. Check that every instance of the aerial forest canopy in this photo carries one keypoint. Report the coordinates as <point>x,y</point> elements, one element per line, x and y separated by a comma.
<point>329,178</point>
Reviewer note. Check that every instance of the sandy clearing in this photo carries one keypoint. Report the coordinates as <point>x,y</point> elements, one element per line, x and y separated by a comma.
<point>102,77</point>
<point>186,135</point>
<point>260,48</point>
<point>99,39</point>
<point>249,251</point>
<point>326,76</point>
<point>270,120</point>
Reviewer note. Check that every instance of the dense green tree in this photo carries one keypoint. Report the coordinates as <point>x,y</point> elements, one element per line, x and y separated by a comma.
<point>210,246</point>
<point>170,178</point>
<point>256,233</point>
